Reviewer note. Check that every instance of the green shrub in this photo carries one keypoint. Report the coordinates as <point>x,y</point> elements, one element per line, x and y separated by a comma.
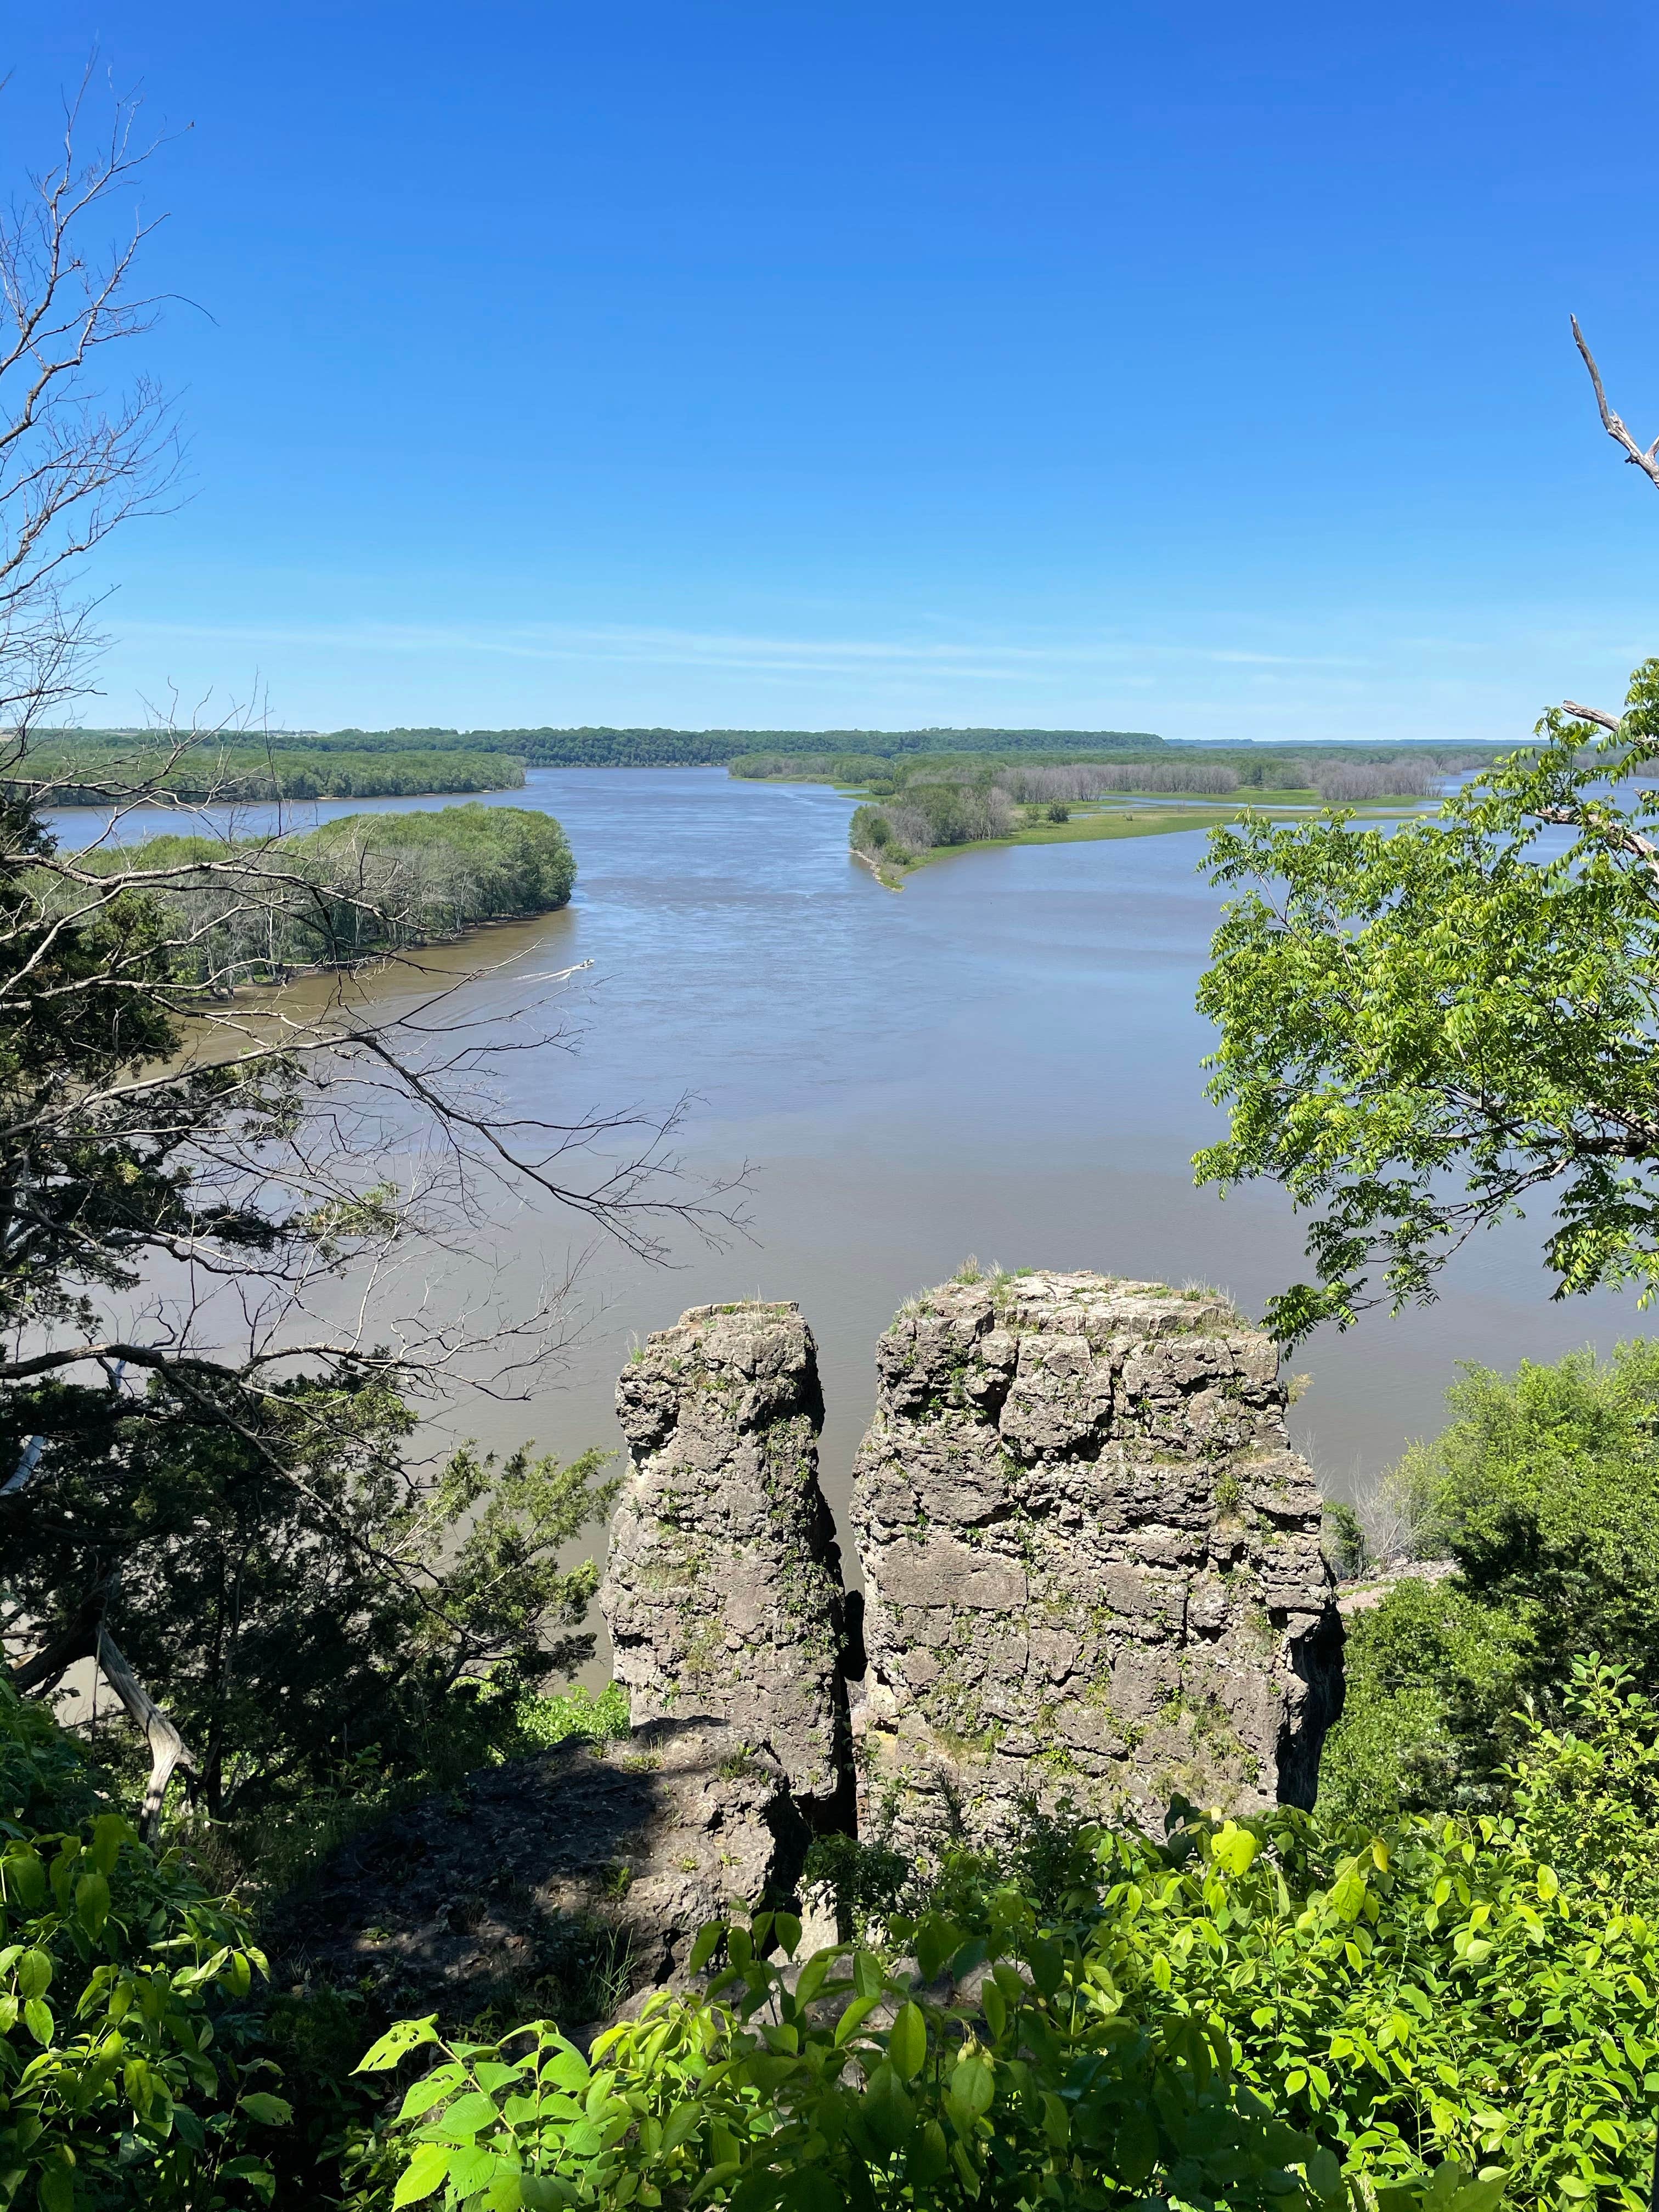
<point>1587,1795</point>
<point>539,1723</point>
<point>1544,1494</point>
<point>1432,1681</point>
<point>120,2079</point>
<point>1545,1490</point>
<point>851,2083</point>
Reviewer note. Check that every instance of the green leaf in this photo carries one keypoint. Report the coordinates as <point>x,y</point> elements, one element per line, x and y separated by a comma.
<point>1324,2174</point>
<point>395,2044</point>
<point>889,2112</point>
<point>109,1833</point>
<point>92,1902</point>
<point>55,2186</point>
<point>33,1971</point>
<point>566,2069</point>
<point>271,2112</point>
<point>813,1975</point>
<point>1234,1849</point>
<point>37,2017</point>
<point>972,2085</point>
<point>709,1938</point>
<point>459,2122</point>
<point>929,2160</point>
<point>469,2168</point>
<point>854,2018</point>
<point>936,1939</point>
<point>1048,1963</point>
<point>425,2172</point>
<point>25,1877</point>
<point>906,2042</point>
<point>429,2090</point>
<point>787,1929</point>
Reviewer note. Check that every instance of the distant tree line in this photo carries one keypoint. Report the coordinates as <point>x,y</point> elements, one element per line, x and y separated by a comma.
<point>94,767</point>
<point>660,748</point>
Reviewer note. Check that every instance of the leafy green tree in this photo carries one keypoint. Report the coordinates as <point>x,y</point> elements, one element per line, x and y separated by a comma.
<point>301,1602</point>
<point>1543,1493</point>
<point>1426,1029</point>
<point>1432,1677</point>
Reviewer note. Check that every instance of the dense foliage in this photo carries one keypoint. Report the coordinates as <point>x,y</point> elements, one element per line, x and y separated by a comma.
<point>1422,1027</point>
<point>1121,2019</point>
<point>606,748</point>
<point>1335,773</point>
<point>1543,1494</point>
<point>304,1602</point>
<point>124,2082</point>
<point>849,2083</point>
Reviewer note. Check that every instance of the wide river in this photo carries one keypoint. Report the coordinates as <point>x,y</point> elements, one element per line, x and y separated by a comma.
<point>1001,1060</point>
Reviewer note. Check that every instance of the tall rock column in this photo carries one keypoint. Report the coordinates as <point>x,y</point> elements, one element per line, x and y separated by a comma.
<point>723,1589</point>
<point>1092,1562</point>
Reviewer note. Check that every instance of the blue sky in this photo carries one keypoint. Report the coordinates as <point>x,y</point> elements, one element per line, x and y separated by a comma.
<point>1202,369</point>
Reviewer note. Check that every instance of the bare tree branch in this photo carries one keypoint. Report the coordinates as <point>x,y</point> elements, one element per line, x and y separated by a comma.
<point>1643,457</point>
<point>1613,722</point>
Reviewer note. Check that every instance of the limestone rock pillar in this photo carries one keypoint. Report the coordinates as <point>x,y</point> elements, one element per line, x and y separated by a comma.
<point>1091,1561</point>
<point>723,1589</point>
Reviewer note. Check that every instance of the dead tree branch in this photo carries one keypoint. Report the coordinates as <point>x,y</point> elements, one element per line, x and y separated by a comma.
<point>1646,458</point>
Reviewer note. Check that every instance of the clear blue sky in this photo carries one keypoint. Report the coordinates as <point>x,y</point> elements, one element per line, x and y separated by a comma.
<point>1198,368</point>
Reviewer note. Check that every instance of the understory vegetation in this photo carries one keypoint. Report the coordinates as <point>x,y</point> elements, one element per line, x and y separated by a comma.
<point>1288,2009</point>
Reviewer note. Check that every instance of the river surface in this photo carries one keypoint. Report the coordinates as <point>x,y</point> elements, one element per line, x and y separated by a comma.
<point>1002,1059</point>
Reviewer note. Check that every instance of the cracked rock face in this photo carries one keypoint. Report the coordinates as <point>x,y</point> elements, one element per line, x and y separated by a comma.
<point>723,1589</point>
<point>1091,1561</point>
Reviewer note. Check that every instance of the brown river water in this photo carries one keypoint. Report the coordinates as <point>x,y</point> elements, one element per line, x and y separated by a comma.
<point>1001,1060</point>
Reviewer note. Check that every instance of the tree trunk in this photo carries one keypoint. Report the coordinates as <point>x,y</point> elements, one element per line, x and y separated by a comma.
<point>167,1749</point>
<point>85,1637</point>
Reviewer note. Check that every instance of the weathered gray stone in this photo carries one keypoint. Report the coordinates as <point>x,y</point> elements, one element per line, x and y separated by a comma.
<point>1092,1562</point>
<point>569,1881</point>
<point>723,1589</point>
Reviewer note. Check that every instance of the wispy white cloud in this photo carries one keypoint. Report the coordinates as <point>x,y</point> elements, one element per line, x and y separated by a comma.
<point>997,660</point>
